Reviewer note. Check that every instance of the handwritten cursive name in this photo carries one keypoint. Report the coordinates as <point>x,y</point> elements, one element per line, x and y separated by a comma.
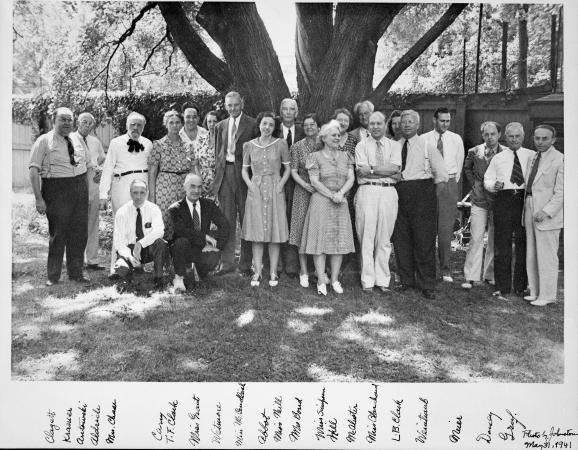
<point>332,430</point>
<point>509,434</point>
<point>351,423</point>
<point>52,427</point>
<point>95,427</point>
<point>295,433</point>
<point>396,419</point>
<point>422,417</point>
<point>216,429</point>
<point>194,427</point>
<point>263,428</point>
<point>320,428</point>
<point>166,424</point>
<point>372,416</point>
<point>455,434</point>
<point>81,423</point>
<point>278,434</point>
<point>111,419</point>
<point>68,427</point>
<point>487,437</point>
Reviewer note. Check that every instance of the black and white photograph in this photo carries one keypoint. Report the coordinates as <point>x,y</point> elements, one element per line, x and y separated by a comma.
<point>330,224</point>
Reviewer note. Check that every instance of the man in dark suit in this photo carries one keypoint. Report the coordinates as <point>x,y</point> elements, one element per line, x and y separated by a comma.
<point>290,132</point>
<point>192,241</point>
<point>228,186</point>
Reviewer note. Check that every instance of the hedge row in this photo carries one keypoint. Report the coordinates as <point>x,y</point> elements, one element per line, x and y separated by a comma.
<point>37,110</point>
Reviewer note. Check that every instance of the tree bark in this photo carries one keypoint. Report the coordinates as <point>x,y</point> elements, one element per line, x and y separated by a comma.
<point>417,49</point>
<point>211,68</point>
<point>240,33</point>
<point>345,72</point>
<point>523,47</point>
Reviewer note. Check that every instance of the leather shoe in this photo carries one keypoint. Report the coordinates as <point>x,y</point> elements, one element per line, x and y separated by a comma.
<point>542,302</point>
<point>428,294</point>
<point>384,289</point>
<point>531,298</point>
<point>94,267</point>
<point>80,279</point>
<point>51,283</point>
<point>403,288</point>
<point>224,270</point>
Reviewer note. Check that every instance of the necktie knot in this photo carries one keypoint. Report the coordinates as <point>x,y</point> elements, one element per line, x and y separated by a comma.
<point>134,146</point>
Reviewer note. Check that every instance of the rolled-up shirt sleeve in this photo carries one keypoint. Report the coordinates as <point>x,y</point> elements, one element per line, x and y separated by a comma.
<point>38,153</point>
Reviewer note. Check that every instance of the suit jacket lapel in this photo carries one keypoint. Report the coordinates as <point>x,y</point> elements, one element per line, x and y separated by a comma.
<point>186,213</point>
<point>546,162</point>
<point>205,218</point>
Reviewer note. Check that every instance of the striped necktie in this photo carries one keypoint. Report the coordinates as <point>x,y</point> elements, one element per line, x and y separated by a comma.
<point>517,176</point>
<point>441,145</point>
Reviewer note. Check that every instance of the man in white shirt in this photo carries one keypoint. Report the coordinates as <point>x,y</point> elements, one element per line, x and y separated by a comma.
<point>377,162</point>
<point>82,137</point>
<point>422,167</point>
<point>362,111</point>
<point>290,132</point>
<point>505,177</point>
<point>138,235</point>
<point>544,216</point>
<point>451,148</point>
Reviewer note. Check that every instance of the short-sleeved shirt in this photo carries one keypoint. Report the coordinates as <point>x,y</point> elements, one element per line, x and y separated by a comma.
<point>50,156</point>
<point>365,155</point>
<point>92,143</point>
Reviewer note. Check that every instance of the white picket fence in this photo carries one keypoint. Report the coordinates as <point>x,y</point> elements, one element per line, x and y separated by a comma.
<point>22,140</point>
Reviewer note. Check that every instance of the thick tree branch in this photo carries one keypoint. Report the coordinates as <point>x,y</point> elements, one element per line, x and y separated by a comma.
<point>209,66</point>
<point>151,53</point>
<point>417,49</point>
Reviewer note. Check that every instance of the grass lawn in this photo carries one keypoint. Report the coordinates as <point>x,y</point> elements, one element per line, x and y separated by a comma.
<point>227,331</point>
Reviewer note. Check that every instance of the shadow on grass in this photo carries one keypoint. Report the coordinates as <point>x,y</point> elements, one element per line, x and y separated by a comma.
<point>225,330</point>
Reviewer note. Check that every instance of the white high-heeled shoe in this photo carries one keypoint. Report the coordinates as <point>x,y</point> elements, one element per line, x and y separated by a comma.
<point>304,280</point>
<point>337,287</point>
<point>322,289</point>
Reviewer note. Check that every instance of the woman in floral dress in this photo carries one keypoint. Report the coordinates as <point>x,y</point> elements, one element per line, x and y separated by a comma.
<point>303,189</point>
<point>170,160</point>
<point>265,220</point>
<point>327,228</point>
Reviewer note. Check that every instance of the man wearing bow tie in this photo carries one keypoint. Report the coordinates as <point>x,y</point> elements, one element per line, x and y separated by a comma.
<point>82,138</point>
<point>193,242</point>
<point>138,235</point>
<point>544,216</point>
<point>126,160</point>
<point>58,177</point>
<point>505,177</point>
<point>228,186</point>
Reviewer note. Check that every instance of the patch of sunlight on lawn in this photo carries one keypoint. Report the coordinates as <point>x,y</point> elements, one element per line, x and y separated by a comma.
<point>373,318</point>
<point>319,373</point>
<point>127,304</point>
<point>61,327</point>
<point>22,288</point>
<point>389,356</point>
<point>246,318</point>
<point>300,326</point>
<point>313,311</point>
<point>16,259</point>
<point>349,330</point>
<point>27,331</point>
<point>196,365</point>
<point>46,367</point>
<point>83,301</point>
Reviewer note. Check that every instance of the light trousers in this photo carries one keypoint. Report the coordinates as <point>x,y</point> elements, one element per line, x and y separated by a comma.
<point>375,215</point>
<point>541,257</point>
<point>480,218</point>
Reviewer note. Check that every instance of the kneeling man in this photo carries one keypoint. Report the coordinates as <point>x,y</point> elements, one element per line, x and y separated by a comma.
<point>378,163</point>
<point>138,235</point>
<point>192,218</point>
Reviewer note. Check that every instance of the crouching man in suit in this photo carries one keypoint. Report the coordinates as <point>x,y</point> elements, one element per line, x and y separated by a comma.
<point>138,236</point>
<point>192,218</point>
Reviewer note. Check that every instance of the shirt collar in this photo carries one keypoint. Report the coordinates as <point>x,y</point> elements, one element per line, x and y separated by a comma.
<point>191,206</point>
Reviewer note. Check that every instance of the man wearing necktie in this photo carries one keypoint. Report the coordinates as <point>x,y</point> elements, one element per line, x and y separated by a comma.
<point>228,185</point>
<point>362,111</point>
<point>544,216</point>
<point>82,137</point>
<point>451,148</point>
<point>290,132</point>
<point>58,178</point>
<point>138,235</point>
<point>505,177</point>
<point>414,238</point>
<point>193,240</point>
<point>377,162</point>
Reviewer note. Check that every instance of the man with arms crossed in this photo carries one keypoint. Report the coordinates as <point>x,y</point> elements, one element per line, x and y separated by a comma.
<point>228,186</point>
<point>58,177</point>
<point>378,161</point>
<point>451,148</point>
<point>544,216</point>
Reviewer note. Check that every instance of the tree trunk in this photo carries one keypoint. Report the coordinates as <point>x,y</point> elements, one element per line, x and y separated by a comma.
<point>523,46</point>
<point>504,71</point>
<point>345,73</point>
<point>240,33</point>
<point>418,48</point>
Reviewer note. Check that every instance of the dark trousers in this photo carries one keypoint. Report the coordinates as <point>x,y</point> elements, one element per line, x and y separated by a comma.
<point>414,236</point>
<point>184,253</point>
<point>156,252</point>
<point>508,228</point>
<point>232,197</point>
<point>67,213</point>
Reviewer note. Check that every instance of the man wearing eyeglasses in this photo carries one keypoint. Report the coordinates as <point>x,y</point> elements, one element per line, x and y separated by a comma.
<point>58,177</point>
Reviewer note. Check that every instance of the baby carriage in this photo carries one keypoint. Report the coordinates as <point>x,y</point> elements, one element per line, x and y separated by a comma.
<point>462,233</point>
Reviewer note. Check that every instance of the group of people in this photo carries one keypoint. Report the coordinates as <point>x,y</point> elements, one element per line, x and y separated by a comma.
<point>313,189</point>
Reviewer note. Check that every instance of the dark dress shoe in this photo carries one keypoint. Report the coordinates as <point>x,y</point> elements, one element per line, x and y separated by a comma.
<point>80,279</point>
<point>404,287</point>
<point>224,270</point>
<point>246,273</point>
<point>51,283</point>
<point>428,294</point>
<point>94,267</point>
